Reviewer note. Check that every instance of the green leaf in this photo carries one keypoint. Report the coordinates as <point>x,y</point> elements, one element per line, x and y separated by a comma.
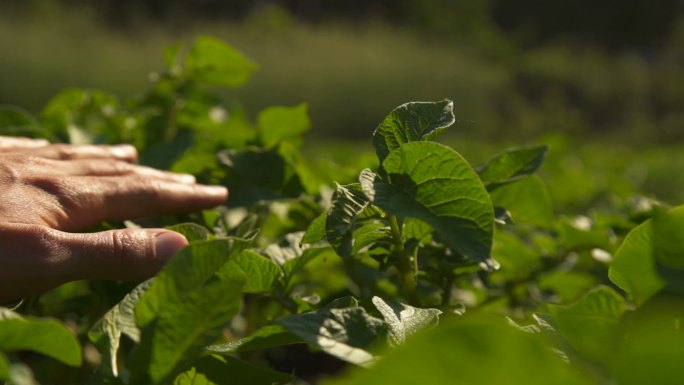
<point>412,122</point>
<point>511,166</point>
<point>348,209</point>
<point>433,183</point>
<point>192,231</point>
<point>42,335</point>
<point>267,337</point>
<point>189,270</point>
<point>653,348</point>
<point>277,124</point>
<point>668,247</point>
<point>261,274</point>
<point>633,268</point>
<point>473,349</point>
<point>215,62</point>
<point>183,329</point>
<point>568,285</point>
<point>106,333</point>
<point>17,121</point>
<point>292,266</point>
<point>4,367</point>
<point>227,370</point>
<point>255,174</point>
<point>590,323</point>
<point>527,201</point>
<point>369,234</point>
<point>405,320</point>
<point>186,308</point>
<point>518,260</point>
<point>341,329</point>
<point>81,116</point>
<point>316,231</point>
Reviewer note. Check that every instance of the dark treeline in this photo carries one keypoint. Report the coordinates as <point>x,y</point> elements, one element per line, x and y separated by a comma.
<point>606,23</point>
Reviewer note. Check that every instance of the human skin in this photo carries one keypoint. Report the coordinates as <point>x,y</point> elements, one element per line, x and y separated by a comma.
<point>48,192</point>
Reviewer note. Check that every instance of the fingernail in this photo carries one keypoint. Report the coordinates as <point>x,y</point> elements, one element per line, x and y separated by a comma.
<point>186,178</point>
<point>215,190</point>
<point>124,151</point>
<point>168,243</point>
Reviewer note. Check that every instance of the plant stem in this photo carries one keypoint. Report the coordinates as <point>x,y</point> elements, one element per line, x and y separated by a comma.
<point>408,265</point>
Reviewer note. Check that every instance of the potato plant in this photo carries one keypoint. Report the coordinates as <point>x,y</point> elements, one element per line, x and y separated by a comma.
<point>422,268</point>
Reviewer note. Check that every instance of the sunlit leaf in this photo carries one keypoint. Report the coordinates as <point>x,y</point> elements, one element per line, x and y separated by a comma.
<point>341,329</point>
<point>405,320</point>
<point>412,122</point>
<point>433,183</point>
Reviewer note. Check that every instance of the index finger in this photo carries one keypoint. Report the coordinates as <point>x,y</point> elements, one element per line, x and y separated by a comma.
<point>12,143</point>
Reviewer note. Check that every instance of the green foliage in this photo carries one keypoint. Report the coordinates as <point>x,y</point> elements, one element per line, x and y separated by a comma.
<point>305,263</point>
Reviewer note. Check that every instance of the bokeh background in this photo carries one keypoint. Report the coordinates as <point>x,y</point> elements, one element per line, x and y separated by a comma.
<point>602,82</point>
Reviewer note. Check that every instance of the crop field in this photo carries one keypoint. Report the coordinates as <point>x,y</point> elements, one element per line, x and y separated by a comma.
<point>412,255</point>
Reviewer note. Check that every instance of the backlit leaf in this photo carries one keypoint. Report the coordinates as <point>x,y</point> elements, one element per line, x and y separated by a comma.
<point>512,165</point>
<point>412,122</point>
<point>215,62</point>
<point>405,320</point>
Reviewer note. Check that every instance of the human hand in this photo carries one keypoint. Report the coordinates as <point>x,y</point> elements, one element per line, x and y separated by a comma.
<point>49,191</point>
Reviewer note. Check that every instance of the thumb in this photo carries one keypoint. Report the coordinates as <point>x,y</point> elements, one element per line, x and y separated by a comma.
<point>35,259</point>
<point>127,254</point>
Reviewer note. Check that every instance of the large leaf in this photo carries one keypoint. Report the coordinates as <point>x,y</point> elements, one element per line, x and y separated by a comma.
<point>512,165</point>
<point>341,329</point>
<point>668,247</point>
<point>42,335</point>
<point>412,122</point>
<point>118,321</point>
<point>348,209</point>
<point>189,270</point>
<point>433,183</point>
<point>261,274</point>
<point>183,330</point>
<point>474,349</point>
<point>633,268</point>
<point>214,370</point>
<point>215,62</point>
<point>590,323</point>
<point>276,124</point>
<point>267,337</point>
<point>405,320</point>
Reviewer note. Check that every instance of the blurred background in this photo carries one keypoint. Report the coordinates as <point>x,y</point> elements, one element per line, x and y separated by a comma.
<point>513,68</point>
<point>595,79</point>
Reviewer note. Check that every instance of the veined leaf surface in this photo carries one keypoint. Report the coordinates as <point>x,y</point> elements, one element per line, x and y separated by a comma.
<point>433,183</point>
<point>412,122</point>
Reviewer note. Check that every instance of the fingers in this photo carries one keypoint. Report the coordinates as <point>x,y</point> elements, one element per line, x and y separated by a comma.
<point>124,152</point>
<point>107,167</point>
<point>129,254</point>
<point>89,200</point>
<point>11,143</point>
<point>37,258</point>
<point>42,148</point>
